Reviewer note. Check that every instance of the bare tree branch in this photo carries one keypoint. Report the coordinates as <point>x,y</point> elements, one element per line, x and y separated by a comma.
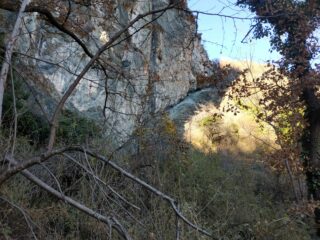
<point>70,90</point>
<point>8,53</point>
<point>18,167</point>
<point>101,181</point>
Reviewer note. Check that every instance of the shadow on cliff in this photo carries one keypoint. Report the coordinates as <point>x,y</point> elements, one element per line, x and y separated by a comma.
<point>210,90</point>
<point>202,121</point>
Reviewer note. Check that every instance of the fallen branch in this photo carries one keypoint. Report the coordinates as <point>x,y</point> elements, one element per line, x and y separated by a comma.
<point>19,166</point>
<point>95,177</point>
<point>173,203</point>
<point>110,221</point>
<point>22,166</point>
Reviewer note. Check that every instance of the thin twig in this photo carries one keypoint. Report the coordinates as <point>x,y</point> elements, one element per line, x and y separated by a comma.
<point>15,127</point>
<point>25,215</point>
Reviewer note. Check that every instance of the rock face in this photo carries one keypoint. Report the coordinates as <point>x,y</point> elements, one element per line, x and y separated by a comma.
<point>152,67</point>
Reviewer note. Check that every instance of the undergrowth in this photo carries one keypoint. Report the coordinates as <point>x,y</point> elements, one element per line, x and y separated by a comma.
<point>233,199</point>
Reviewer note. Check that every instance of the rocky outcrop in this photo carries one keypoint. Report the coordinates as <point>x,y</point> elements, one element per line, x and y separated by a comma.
<point>148,70</point>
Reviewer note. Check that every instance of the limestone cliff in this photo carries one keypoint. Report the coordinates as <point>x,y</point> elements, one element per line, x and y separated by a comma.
<point>152,67</point>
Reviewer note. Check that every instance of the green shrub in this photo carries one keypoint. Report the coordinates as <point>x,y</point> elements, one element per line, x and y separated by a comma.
<point>235,200</point>
<point>76,129</point>
<point>73,128</point>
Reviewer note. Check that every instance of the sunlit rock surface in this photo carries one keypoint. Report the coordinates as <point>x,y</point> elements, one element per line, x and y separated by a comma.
<point>201,120</point>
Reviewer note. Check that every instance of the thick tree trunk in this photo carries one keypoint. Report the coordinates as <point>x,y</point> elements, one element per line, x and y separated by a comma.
<point>312,143</point>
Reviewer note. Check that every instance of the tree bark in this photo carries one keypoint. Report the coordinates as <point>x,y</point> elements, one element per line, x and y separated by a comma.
<point>311,143</point>
<point>8,52</point>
